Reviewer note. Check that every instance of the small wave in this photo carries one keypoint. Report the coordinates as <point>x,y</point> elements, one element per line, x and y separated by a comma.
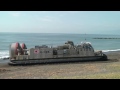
<point>4,54</point>
<point>110,50</point>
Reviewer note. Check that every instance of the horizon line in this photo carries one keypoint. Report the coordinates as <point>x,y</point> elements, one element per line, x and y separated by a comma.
<point>59,33</point>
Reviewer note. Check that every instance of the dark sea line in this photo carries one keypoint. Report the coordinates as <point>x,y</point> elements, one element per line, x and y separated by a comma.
<point>106,38</point>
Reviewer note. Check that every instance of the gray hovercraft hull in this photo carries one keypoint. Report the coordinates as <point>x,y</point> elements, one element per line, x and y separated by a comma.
<point>57,60</point>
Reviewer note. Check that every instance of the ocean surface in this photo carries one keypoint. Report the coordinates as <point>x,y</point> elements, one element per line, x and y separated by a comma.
<point>50,39</point>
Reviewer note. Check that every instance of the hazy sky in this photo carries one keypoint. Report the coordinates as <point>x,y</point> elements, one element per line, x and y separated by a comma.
<point>89,22</point>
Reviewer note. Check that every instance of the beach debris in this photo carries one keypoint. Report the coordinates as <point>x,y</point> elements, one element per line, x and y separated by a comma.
<point>6,58</point>
<point>3,70</point>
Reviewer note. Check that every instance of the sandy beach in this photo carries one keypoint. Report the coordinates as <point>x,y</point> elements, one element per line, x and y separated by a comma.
<point>79,70</point>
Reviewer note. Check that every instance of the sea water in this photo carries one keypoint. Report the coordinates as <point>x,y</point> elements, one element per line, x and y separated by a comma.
<point>54,39</point>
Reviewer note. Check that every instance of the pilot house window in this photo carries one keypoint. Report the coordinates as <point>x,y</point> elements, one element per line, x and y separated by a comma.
<point>44,51</point>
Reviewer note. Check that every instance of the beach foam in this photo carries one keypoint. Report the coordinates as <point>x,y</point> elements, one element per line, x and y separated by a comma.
<point>4,54</point>
<point>110,50</point>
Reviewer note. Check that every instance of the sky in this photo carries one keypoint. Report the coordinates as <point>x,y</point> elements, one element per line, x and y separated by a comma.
<point>76,22</point>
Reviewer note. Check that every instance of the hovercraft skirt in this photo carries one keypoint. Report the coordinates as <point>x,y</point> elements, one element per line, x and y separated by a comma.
<point>57,60</point>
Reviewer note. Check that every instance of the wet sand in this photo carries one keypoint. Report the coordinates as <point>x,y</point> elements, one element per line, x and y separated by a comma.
<point>78,70</point>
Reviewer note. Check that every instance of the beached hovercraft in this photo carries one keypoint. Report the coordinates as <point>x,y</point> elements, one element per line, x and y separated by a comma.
<point>68,52</point>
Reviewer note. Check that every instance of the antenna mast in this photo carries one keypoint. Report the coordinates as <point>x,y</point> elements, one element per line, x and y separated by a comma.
<point>85,37</point>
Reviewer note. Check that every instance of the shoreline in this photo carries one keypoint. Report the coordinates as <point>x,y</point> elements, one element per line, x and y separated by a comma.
<point>6,60</point>
<point>112,52</point>
<point>64,70</point>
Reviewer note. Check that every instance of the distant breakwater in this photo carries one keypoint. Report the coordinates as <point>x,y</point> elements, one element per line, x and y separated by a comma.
<point>106,38</point>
